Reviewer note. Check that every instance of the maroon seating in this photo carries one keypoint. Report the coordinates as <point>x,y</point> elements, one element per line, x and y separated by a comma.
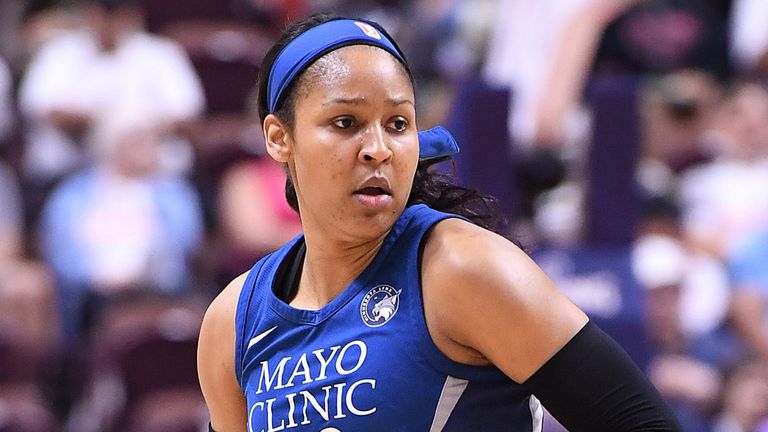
<point>225,55</point>
<point>177,410</point>
<point>22,409</point>
<point>160,13</point>
<point>18,363</point>
<point>228,83</point>
<point>149,350</point>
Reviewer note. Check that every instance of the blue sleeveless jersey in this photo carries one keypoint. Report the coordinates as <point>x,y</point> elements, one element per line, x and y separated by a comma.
<point>365,361</point>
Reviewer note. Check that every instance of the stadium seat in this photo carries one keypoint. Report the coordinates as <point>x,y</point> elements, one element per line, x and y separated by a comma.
<point>22,410</point>
<point>141,350</point>
<point>161,13</point>
<point>176,410</point>
<point>18,364</point>
<point>613,202</point>
<point>478,120</point>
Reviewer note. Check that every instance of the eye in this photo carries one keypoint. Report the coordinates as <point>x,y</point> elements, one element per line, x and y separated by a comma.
<point>344,122</point>
<point>399,124</point>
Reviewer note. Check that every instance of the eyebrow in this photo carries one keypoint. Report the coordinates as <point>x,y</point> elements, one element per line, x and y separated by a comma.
<point>361,100</point>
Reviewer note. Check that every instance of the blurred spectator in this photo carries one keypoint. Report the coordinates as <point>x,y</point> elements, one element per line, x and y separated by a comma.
<point>749,36</point>
<point>437,42</point>
<point>725,200</point>
<point>79,74</point>
<point>677,110</point>
<point>254,217</point>
<point>749,271</point>
<point>28,322</point>
<point>543,51</point>
<point>745,400</point>
<point>21,410</point>
<point>661,36</point>
<point>122,224</point>
<point>6,99</point>
<point>11,222</point>
<point>41,21</point>
<point>26,287</point>
<point>9,27</point>
<point>546,51</point>
<point>686,302</point>
<point>688,291</point>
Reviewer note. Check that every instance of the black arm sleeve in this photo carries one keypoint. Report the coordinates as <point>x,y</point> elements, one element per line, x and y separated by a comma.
<point>592,385</point>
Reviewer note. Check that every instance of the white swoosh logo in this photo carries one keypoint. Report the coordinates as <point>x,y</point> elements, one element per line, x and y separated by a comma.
<point>260,336</point>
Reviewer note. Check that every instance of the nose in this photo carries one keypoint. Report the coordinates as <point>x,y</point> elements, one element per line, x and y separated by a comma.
<point>375,147</point>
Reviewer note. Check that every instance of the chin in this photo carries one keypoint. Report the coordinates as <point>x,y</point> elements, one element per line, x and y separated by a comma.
<point>377,223</point>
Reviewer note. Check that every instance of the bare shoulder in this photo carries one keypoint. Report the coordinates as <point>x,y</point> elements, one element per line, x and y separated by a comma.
<point>452,235</point>
<point>221,312</point>
<point>216,360</point>
<point>459,249</point>
<point>463,261</point>
<point>486,301</point>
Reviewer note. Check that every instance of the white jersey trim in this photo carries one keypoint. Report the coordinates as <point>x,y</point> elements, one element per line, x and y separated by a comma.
<point>537,414</point>
<point>449,397</point>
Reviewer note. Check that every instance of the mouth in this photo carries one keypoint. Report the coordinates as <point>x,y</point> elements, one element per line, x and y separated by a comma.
<point>374,186</point>
<point>372,190</point>
<point>374,193</point>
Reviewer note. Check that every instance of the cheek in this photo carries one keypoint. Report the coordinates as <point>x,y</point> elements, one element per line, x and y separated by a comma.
<point>332,165</point>
<point>321,167</point>
<point>408,174</point>
<point>408,161</point>
<point>335,168</point>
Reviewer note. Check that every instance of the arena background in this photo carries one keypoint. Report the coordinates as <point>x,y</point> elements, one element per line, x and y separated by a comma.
<point>626,140</point>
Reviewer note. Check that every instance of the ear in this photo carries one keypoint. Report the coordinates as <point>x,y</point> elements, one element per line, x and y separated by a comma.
<point>277,138</point>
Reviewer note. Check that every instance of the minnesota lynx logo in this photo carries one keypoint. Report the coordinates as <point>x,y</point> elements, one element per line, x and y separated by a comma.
<point>379,305</point>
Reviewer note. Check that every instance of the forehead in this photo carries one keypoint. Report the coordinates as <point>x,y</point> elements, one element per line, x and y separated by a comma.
<point>356,65</point>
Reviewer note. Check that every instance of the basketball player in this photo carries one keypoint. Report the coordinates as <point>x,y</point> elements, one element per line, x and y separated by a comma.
<point>395,310</point>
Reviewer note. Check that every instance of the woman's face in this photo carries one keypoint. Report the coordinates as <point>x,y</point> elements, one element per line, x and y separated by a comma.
<point>353,150</point>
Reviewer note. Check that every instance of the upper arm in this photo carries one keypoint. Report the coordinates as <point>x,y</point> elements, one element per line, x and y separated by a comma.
<point>216,362</point>
<point>483,293</point>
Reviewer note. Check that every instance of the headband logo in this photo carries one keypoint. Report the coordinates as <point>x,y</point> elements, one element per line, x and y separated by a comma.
<point>368,30</point>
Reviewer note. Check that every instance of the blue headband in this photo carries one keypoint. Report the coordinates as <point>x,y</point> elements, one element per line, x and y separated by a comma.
<point>299,53</point>
<point>437,142</point>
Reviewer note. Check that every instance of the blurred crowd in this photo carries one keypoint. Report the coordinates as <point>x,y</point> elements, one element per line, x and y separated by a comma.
<point>626,141</point>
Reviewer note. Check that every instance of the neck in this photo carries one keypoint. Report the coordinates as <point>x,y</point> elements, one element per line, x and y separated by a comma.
<point>329,268</point>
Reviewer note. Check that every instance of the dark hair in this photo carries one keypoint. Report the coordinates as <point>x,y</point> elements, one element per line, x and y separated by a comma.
<point>430,186</point>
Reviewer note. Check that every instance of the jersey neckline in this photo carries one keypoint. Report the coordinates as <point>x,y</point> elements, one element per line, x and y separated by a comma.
<point>317,316</point>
